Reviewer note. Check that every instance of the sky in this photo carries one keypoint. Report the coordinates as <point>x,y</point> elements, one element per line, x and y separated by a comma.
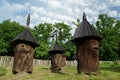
<point>52,11</point>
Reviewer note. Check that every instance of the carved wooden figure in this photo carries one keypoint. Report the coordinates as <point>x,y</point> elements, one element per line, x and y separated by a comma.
<point>87,39</point>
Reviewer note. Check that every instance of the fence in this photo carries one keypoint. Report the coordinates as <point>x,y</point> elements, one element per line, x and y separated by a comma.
<point>7,61</point>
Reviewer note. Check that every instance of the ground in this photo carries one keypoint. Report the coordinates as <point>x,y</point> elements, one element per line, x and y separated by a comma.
<point>107,72</point>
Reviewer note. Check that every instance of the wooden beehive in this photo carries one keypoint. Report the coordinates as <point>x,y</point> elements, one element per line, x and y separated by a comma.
<point>87,39</point>
<point>24,51</point>
<point>58,59</point>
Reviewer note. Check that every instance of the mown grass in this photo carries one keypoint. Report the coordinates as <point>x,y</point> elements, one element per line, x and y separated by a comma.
<point>107,72</point>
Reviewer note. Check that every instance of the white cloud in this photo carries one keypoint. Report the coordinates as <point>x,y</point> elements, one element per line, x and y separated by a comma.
<point>12,8</point>
<point>56,10</point>
<point>45,1</point>
<point>54,4</point>
<point>19,19</point>
<point>11,11</point>
<point>51,14</point>
<point>102,6</point>
<point>63,17</point>
<point>113,13</point>
<point>114,2</point>
<point>39,10</point>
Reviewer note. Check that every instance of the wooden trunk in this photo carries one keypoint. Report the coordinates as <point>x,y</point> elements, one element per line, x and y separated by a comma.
<point>57,62</point>
<point>88,56</point>
<point>23,58</point>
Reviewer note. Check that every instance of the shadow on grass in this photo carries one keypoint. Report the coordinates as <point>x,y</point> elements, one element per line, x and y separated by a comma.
<point>113,69</point>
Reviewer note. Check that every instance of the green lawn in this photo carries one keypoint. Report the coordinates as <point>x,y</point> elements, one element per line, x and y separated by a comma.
<point>107,72</point>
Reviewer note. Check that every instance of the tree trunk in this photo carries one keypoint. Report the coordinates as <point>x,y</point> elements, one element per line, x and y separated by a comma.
<point>88,56</point>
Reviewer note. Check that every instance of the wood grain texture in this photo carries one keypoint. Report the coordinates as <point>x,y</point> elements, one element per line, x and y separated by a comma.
<point>88,56</point>
<point>57,62</point>
<point>23,58</point>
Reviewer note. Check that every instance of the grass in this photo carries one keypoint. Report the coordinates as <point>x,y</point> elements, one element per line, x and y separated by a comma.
<point>2,71</point>
<point>107,72</point>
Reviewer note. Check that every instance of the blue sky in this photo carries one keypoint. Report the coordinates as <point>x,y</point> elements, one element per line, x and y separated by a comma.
<point>57,10</point>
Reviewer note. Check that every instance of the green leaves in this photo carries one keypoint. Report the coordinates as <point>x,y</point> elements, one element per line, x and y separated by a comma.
<point>107,26</point>
<point>45,34</point>
<point>8,31</point>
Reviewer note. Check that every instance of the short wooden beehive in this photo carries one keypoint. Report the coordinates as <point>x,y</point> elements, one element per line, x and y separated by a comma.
<point>58,59</point>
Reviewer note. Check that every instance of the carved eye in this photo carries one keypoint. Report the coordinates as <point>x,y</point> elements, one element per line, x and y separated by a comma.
<point>23,45</point>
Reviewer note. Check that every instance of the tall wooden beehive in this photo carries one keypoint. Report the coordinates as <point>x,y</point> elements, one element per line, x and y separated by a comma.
<point>86,39</point>
<point>24,44</point>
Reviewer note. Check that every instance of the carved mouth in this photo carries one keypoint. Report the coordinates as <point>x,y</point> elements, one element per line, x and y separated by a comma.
<point>96,48</point>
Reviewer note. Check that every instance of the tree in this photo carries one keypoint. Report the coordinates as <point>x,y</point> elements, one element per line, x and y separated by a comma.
<point>107,26</point>
<point>77,22</point>
<point>42,32</point>
<point>118,33</point>
<point>8,31</point>
<point>45,34</point>
<point>64,36</point>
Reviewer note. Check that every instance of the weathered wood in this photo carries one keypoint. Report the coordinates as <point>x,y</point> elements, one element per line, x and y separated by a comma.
<point>57,62</point>
<point>23,58</point>
<point>88,56</point>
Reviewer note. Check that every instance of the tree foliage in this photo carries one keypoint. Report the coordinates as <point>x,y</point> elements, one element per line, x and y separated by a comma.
<point>64,36</point>
<point>109,28</point>
<point>42,32</point>
<point>8,31</point>
<point>45,34</point>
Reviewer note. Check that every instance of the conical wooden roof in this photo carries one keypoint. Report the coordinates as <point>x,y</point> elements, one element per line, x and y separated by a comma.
<point>25,37</point>
<point>86,30</point>
<point>56,48</point>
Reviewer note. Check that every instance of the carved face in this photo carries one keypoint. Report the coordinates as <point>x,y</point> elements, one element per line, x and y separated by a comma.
<point>93,46</point>
<point>59,60</point>
<point>23,48</point>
